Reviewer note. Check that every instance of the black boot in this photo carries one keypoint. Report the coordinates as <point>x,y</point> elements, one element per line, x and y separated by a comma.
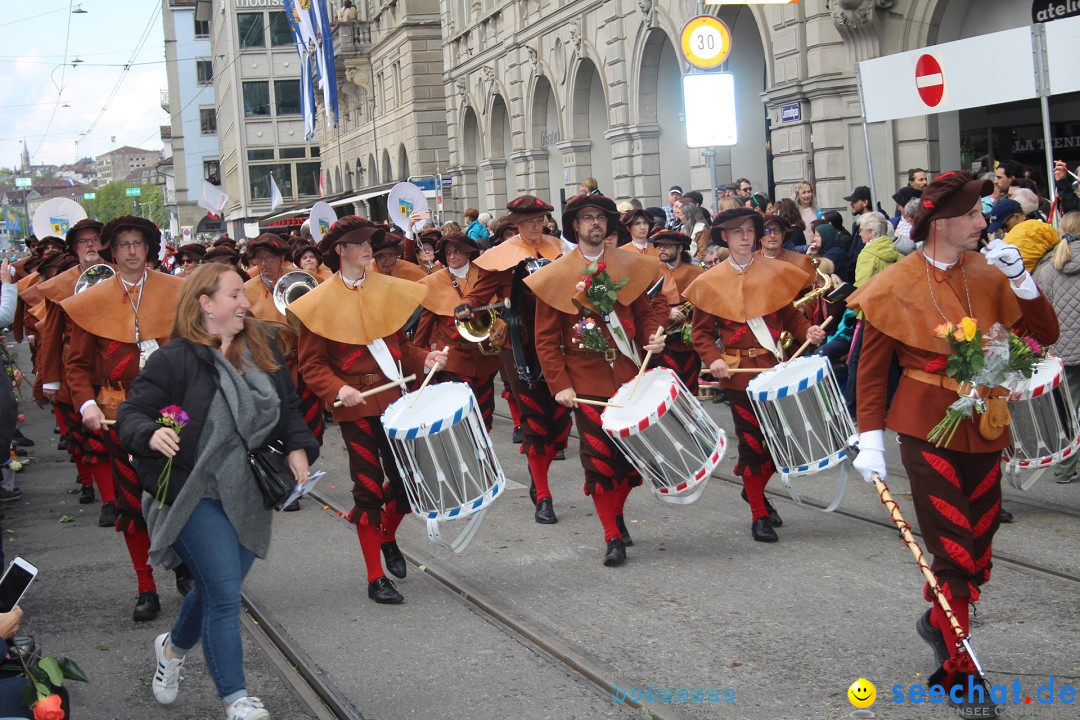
<point>545,514</point>
<point>382,591</point>
<point>87,495</point>
<point>184,580</point>
<point>20,440</point>
<point>762,530</point>
<point>395,561</point>
<point>62,444</point>
<point>616,553</point>
<point>975,698</point>
<point>108,515</point>
<point>147,606</point>
<point>1004,516</point>
<point>621,524</point>
<point>933,638</point>
<point>774,517</point>
<point>519,435</point>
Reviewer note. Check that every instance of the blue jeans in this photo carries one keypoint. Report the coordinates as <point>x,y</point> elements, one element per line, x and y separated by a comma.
<point>208,545</point>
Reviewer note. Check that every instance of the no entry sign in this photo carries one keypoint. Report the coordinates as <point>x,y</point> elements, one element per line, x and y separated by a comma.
<point>929,80</point>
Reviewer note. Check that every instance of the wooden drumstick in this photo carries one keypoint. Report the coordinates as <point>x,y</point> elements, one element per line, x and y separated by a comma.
<point>434,369</point>
<point>599,403</point>
<point>108,422</point>
<point>807,344</point>
<point>380,388</point>
<point>645,364</point>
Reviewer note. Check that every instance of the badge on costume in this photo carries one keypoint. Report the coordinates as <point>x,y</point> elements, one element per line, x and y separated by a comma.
<point>146,349</point>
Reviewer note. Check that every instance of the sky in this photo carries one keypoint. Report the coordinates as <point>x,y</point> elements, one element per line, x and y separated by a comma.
<point>37,82</point>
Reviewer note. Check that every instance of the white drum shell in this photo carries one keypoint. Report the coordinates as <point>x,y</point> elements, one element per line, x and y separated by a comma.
<point>1044,428</point>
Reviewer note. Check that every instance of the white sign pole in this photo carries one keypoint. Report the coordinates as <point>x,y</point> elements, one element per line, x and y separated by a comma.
<point>1042,77</point>
<point>866,141</point>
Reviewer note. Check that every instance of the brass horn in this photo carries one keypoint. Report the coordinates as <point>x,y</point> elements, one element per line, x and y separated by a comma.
<point>478,329</point>
<point>92,275</point>
<point>292,285</point>
<point>817,291</point>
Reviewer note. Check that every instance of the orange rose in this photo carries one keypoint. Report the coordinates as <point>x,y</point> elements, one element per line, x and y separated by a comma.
<point>48,709</point>
<point>958,334</point>
<point>943,330</point>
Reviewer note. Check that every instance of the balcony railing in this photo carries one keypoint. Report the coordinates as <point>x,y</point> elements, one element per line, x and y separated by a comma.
<point>352,39</point>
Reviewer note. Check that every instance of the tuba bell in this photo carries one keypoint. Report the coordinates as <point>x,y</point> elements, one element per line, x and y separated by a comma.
<point>478,329</point>
<point>292,285</point>
<point>92,275</point>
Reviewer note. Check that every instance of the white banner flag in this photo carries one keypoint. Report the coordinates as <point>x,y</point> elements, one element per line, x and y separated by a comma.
<point>276,200</point>
<point>212,198</point>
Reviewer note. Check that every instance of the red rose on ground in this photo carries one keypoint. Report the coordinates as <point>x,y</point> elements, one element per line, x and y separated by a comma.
<point>48,709</point>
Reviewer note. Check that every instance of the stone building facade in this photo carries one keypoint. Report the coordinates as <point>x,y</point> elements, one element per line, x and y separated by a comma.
<point>543,93</point>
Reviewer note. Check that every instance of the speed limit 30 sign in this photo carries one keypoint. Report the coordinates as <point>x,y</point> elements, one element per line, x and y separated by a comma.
<point>705,42</point>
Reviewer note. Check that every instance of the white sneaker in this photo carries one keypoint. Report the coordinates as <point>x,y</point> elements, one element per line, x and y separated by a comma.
<point>167,677</point>
<point>248,708</point>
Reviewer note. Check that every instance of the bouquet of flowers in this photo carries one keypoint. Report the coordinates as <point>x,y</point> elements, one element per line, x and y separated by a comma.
<point>978,362</point>
<point>589,337</point>
<point>600,290</point>
<point>172,416</point>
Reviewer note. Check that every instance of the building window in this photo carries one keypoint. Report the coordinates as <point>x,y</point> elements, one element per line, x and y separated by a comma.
<point>250,27</point>
<point>259,181</point>
<point>313,151</point>
<point>307,179</point>
<point>211,171</point>
<point>257,98</point>
<point>208,121</point>
<point>202,28</point>
<point>204,71</point>
<point>287,97</point>
<point>290,153</point>
<point>260,154</point>
<point>280,32</point>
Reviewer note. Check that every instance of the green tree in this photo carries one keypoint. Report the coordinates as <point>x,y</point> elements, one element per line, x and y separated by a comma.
<point>112,201</point>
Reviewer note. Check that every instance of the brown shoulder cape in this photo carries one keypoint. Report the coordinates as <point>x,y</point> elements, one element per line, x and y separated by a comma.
<point>379,307</point>
<point>677,280</point>
<point>62,286</point>
<point>29,289</point>
<point>554,283</point>
<point>764,287</point>
<point>262,300</point>
<point>898,301</point>
<point>441,297</point>
<point>104,311</point>
<point>508,254</point>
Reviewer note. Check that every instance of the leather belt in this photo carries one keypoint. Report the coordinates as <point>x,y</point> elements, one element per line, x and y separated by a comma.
<point>609,356</point>
<point>948,383</point>
<point>747,352</point>
<point>371,379</point>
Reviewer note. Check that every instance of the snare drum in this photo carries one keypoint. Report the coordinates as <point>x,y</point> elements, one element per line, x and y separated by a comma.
<point>1044,428</point>
<point>664,432</point>
<point>446,459</point>
<point>803,415</point>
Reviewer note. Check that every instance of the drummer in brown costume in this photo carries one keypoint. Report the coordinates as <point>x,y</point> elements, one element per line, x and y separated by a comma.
<point>269,251</point>
<point>89,453</point>
<point>445,289</point>
<point>351,340</point>
<point>678,271</point>
<point>746,302</point>
<point>545,424</point>
<point>956,490</point>
<point>573,362</point>
<point>116,324</point>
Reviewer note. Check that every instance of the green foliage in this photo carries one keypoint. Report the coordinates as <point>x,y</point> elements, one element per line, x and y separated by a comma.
<point>112,202</point>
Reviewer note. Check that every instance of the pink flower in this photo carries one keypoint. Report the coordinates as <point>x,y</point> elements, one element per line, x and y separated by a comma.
<point>582,287</point>
<point>1034,345</point>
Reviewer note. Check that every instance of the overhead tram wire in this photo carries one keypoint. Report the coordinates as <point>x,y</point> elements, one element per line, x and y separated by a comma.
<point>60,88</point>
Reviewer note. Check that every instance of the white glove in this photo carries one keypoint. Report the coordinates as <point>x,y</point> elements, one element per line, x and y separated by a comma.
<point>1006,258</point>
<point>870,461</point>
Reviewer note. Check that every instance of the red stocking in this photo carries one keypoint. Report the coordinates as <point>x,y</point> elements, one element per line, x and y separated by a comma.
<point>607,504</point>
<point>938,619</point>
<point>538,467</point>
<point>138,545</point>
<point>370,540</point>
<point>515,413</point>
<point>102,475</point>
<point>390,522</point>
<point>622,491</point>
<point>755,493</point>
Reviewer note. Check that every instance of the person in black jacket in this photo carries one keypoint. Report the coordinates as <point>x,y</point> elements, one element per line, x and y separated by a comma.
<point>222,374</point>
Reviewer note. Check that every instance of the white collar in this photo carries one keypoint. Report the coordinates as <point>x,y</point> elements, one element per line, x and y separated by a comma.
<point>642,246</point>
<point>937,263</point>
<point>460,272</point>
<point>133,285</point>
<point>591,259</point>
<point>353,283</point>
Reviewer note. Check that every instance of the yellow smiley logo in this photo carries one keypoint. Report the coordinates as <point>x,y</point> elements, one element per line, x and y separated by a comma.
<point>862,693</point>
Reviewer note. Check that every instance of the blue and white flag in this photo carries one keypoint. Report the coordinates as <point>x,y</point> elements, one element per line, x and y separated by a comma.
<point>307,85</point>
<point>325,55</point>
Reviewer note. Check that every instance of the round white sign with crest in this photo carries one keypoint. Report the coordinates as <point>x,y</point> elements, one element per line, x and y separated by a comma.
<point>405,199</point>
<point>56,216</point>
<point>321,218</point>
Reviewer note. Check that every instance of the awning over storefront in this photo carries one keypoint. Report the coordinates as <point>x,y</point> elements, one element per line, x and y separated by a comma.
<point>337,200</point>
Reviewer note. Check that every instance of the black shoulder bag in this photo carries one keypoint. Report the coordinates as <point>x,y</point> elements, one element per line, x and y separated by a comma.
<point>269,465</point>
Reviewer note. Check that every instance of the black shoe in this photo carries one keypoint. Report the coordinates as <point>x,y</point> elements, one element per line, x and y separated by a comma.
<point>974,704</point>
<point>20,440</point>
<point>616,553</point>
<point>545,514</point>
<point>62,444</point>
<point>621,524</point>
<point>720,397</point>
<point>519,435</point>
<point>382,591</point>
<point>55,429</point>
<point>328,417</point>
<point>147,606</point>
<point>108,515</point>
<point>762,530</point>
<point>561,455</point>
<point>1004,516</point>
<point>87,495</point>
<point>292,507</point>
<point>774,517</point>
<point>395,562</point>
<point>933,638</point>
<point>10,495</point>
<point>184,580</point>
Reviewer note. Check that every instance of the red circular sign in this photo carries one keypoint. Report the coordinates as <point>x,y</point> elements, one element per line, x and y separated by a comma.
<point>929,80</point>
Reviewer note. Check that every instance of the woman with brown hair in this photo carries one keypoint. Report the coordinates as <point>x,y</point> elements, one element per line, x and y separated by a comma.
<point>222,377</point>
